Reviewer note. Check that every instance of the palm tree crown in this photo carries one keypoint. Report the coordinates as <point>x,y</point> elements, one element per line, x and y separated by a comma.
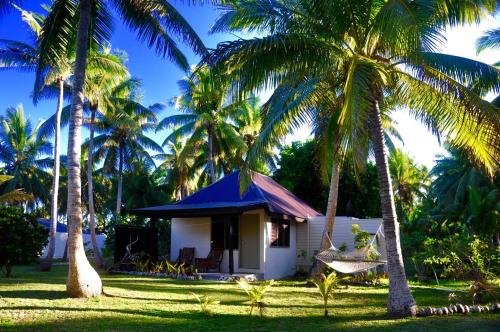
<point>23,153</point>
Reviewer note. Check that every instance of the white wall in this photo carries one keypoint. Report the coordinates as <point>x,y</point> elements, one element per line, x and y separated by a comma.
<point>61,239</point>
<point>275,263</point>
<point>281,262</point>
<point>191,233</point>
<point>310,234</point>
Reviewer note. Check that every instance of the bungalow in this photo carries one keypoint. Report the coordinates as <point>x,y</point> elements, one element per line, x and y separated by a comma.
<point>261,231</point>
<point>62,237</point>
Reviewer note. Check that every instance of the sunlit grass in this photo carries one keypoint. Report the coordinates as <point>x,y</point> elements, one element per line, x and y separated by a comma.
<point>36,301</point>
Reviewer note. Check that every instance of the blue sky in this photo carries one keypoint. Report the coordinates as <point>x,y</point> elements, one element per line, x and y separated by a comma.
<point>159,76</point>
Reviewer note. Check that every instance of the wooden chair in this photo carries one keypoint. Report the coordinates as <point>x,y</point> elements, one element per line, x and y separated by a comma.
<point>212,262</point>
<point>186,256</point>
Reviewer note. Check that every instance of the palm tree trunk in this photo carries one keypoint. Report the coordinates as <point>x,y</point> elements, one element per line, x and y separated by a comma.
<point>47,263</point>
<point>97,253</point>
<point>120,184</point>
<point>83,280</point>
<point>331,211</point>
<point>211,155</point>
<point>400,301</point>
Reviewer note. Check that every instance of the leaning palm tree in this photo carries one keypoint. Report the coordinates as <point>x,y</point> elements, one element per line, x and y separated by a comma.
<point>122,138</point>
<point>154,22</point>
<point>22,153</point>
<point>383,48</point>
<point>205,111</point>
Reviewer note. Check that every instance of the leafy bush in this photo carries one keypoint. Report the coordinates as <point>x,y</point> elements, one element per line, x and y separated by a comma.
<point>326,286</point>
<point>205,302</point>
<point>255,293</point>
<point>22,238</point>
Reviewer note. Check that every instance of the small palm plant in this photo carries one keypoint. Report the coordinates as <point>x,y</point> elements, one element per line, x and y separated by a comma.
<point>326,286</point>
<point>255,293</point>
<point>205,302</point>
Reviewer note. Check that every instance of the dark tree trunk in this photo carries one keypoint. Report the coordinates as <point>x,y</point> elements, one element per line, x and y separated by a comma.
<point>400,301</point>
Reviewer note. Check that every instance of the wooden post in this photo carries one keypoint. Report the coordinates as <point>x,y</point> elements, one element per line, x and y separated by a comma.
<point>230,245</point>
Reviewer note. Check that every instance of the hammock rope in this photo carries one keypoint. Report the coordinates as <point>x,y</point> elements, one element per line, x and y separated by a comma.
<point>353,261</point>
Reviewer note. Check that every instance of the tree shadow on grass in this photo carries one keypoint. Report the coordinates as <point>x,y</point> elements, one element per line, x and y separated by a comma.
<point>36,294</point>
<point>159,320</point>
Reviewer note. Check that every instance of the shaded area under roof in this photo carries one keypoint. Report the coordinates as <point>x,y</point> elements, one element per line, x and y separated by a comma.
<point>223,198</point>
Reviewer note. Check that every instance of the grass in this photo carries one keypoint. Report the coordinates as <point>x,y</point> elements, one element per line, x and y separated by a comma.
<point>36,301</point>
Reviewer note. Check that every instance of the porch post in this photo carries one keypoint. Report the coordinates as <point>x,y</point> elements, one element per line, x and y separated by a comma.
<point>230,244</point>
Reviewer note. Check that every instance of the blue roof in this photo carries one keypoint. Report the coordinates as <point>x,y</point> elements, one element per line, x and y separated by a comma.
<point>61,228</point>
<point>224,197</point>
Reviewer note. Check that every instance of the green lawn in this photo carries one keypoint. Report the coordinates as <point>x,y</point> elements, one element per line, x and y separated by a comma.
<point>36,301</point>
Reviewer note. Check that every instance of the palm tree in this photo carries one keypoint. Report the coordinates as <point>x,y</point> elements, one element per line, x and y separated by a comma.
<point>381,48</point>
<point>153,21</point>
<point>122,137</point>
<point>409,181</point>
<point>178,168</point>
<point>204,116</point>
<point>100,87</point>
<point>22,153</point>
<point>56,74</point>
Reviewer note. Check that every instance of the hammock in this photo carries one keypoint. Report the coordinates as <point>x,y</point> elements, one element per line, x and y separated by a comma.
<point>350,262</point>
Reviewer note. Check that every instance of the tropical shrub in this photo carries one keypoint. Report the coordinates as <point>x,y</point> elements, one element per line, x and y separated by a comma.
<point>255,293</point>
<point>205,303</point>
<point>22,238</point>
<point>176,269</point>
<point>326,285</point>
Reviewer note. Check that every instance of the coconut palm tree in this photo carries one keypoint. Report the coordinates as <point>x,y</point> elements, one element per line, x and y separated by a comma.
<point>379,48</point>
<point>204,118</point>
<point>22,153</point>
<point>122,138</point>
<point>55,76</point>
<point>155,22</point>
<point>178,168</point>
<point>409,181</point>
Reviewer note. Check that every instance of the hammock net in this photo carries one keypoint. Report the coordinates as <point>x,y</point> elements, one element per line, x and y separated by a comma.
<point>354,261</point>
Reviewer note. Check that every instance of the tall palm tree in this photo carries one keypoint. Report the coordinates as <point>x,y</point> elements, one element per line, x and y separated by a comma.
<point>381,48</point>
<point>100,87</point>
<point>122,138</point>
<point>49,77</point>
<point>409,181</point>
<point>205,110</point>
<point>154,22</point>
<point>22,153</point>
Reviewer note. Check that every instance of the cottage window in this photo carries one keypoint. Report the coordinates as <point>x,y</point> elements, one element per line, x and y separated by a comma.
<point>280,233</point>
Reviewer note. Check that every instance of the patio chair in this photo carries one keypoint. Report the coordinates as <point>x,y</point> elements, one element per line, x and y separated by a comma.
<point>212,262</point>
<point>186,256</point>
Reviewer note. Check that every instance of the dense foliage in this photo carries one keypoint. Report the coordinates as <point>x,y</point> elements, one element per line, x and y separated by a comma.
<point>454,231</point>
<point>22,238</point>
<point>299,171</point>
